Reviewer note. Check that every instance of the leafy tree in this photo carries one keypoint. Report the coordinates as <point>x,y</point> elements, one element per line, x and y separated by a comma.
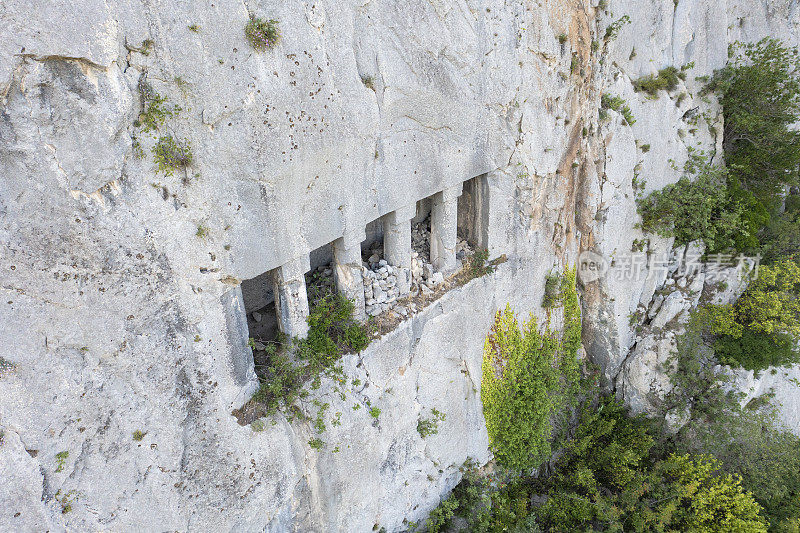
<point>759,91</point>
<point>747,441</point>
<point>771,303</point>
<point>528,376</point>
<point>758,331</point>
<point>698,206</point>
<point>697,497</point>
<point>756,351</point>
<point>611,479</point>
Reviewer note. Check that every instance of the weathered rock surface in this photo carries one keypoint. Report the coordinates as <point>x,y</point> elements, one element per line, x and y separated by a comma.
<point>121,315</point>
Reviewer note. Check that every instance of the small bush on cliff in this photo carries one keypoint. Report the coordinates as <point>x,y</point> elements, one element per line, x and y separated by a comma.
<point>617,104</point>
<point>155,110</point>
<point>430,426</point>
<point>262,34</point>
<point>332,332</point>
<point>666,79</point>
<point>528,378</point>
<point>170,155</point>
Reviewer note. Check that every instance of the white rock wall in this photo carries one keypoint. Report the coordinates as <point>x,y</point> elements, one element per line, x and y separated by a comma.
<point>117,317</point>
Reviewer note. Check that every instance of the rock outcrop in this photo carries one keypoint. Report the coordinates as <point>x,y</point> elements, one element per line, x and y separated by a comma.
<point>122,316</point>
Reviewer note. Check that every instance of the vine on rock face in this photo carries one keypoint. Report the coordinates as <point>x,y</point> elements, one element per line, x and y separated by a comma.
<point>528,377</point>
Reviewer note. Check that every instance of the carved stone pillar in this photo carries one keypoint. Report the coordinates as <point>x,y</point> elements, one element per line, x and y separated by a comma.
<point>444,227</point>
<point>347,271</point>
<point>397,244</point>
<point>291,298</point>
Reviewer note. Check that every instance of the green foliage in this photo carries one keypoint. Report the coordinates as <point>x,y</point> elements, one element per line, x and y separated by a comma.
<point>600,480</point>
<point>749,444</point>
<point>697,207</point>
<point>759,90</point>
<point>781,236</point>
<point>746,441</point>
<point>332,332</point>
<point>610,476</point>
<point>61,460</point>
<point>771,304</point>
<point>758,331</point>
<point>258,425</point>
<point>146,47</point>
<point>194,28</point>
<point>430,426</point>
<point>756,351</point>
<point>610,480</point>
<point>552,290</point>
<point>202,232</point>
<point>262,34</point>
<point>702,499</point>
<point>478,264</point>
<point>138,435</point>
<point>374,412</point>
<point>528,377</point>
<point>170,155</point>
<point>485,504</point>
<point>666,79</point>
<point>66,499</point>
<point>441,515</point>
<point>368,82</point>
<point>619,105</point>
<point>316,443</point>
<point>562,38</point>
<point>612,31</point>
<point>155,110</point>
<point>6,366</point>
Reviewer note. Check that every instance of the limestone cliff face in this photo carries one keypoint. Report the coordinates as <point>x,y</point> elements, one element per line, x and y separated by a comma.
<point>119,315</point>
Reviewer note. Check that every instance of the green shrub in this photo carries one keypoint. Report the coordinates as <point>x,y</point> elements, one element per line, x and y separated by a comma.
<point>746,441</point>
<point>155,110</point>
<point>619,105</point>
<point>262,34</point>
<point>478,264</point>
<point>6,366</point>
<point>316,443</point>
<point>528,377</point>
<point>697,207</point>
<point>700,498</point>
<point>441,515</point>
<point>552,290</point>
<point>61,460</point>
<point>771,303</point>
<point>610,476</point>
<point>756,351</point>
<point>666,79</point>
<point>170,155</point>
<point>485,505</point>
<point>612,31</point>
<point>430,426</point>
<point>138,435</point>
<point>332,332</point>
